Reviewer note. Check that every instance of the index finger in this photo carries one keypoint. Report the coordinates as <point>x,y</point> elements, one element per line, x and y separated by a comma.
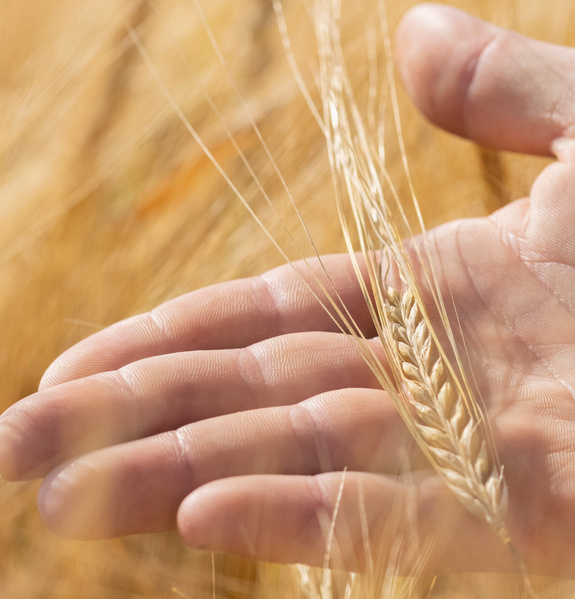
<point>224,316</point>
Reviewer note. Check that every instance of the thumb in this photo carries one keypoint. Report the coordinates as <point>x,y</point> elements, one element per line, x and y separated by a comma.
<point>494,86</point>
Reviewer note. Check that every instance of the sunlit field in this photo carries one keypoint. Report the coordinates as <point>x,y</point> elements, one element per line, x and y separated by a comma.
<point>110,206</point>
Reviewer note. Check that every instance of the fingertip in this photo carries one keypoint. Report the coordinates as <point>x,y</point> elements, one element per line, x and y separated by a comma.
<point>231,515</point>
<point>53,375</point>
<point>42,430</point>
<point>273,518</point>
<point>119,344</point>
<point>17,450</point>
<point>81,360</point>
<point>9,470</point>
<point>64,509</point>
<point>68,366</point>
<point>437,50</point>
<point>199,517</point>
<point>80,500</point>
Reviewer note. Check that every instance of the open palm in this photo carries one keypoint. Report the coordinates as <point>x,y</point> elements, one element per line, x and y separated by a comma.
<point>232,411</point>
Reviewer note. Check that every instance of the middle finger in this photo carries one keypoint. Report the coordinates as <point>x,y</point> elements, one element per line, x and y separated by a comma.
<point>137,487</point>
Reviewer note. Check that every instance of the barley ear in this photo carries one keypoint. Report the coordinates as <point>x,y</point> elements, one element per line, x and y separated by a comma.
<point>453,440</point>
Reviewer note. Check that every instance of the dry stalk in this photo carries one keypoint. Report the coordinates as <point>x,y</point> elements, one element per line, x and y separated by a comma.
<point>430,392</point>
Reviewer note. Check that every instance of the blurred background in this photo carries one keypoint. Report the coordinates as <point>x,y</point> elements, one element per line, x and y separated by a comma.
<point>108,207</point>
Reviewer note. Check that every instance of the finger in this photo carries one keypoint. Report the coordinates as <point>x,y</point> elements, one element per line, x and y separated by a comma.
<point>228,315</point>
<point>496,87</point>
<point>165,392</point>
<point>288,519</point>
<point>137,487</point>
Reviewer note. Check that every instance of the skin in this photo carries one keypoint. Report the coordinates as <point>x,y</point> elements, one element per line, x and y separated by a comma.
<point>232,411</point>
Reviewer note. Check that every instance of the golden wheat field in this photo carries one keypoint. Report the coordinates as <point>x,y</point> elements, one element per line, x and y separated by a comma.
<point>109,206</point>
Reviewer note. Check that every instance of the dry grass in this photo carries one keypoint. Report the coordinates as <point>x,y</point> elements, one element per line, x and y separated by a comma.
<point>108,208</point>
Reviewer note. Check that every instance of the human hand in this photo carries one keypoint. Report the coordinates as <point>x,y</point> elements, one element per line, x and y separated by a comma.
<point>232,411</point>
